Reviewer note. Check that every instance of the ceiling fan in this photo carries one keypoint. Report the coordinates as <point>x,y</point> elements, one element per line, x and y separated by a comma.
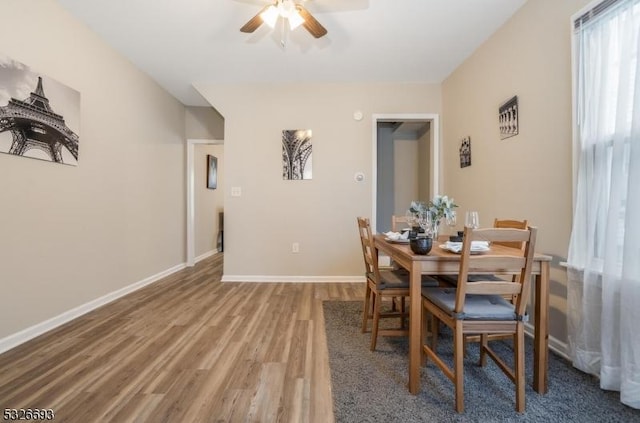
<point>293,12</point>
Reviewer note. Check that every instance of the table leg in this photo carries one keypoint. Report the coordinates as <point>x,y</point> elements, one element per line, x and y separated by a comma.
<point>541,339</point>
<point>415,320</point>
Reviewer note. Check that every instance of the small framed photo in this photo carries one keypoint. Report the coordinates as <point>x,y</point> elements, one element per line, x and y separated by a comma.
<point>465,152</point>
<point>212,172</point>
<point>508,118</point>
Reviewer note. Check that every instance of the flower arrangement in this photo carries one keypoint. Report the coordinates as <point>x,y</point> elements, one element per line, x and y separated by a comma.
<point>442,206</point>
<point>439,207</point>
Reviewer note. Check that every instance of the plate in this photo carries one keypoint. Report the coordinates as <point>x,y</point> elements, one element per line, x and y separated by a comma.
<point>473,251</point>
<point>397,241</point>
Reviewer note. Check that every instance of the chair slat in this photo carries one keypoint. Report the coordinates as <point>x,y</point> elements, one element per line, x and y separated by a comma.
<point>505,264</point>
<point>501,235</point>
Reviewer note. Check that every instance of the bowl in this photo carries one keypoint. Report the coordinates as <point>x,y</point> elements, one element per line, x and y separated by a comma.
<point>421,245</point>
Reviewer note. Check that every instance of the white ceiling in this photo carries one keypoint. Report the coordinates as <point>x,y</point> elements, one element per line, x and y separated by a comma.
<point>180,42</point>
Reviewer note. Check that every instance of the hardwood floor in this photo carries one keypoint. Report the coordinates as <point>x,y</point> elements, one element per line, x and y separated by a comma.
<point>188,348</point>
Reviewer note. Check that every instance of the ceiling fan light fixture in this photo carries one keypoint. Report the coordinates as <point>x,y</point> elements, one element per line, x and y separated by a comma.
<point>295,20</point>
<point>289,10</point>
<point>270,16</point>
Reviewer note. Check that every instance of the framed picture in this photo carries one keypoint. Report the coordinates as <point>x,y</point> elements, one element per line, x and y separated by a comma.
<point>465,152</point>
<point>212,172</point>
<point>508,118</point>
<point>296,154</point>
<point>39,116</point>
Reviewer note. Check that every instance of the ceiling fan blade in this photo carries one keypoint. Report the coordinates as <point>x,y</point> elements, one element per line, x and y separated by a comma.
<point>310,23</point>
<point>254,22</point>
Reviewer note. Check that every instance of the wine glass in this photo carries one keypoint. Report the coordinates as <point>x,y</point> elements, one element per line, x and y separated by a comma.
<point>426,223</point>
<point>412,219</point>
<point>451,221</point>
<point>472,220</point>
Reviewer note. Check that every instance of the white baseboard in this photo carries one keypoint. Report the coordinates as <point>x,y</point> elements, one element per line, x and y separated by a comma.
<point>559,347</point>
<point>206,255</point>
<point>555,345</point>
<point>292,279</point>
<point>29,333</point>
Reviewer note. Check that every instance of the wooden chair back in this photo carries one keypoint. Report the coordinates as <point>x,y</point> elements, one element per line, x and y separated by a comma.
<point>510,223</point>
<point>378,286</point>
<point>368,249</point>
<point>515,262</point>
<point>398,222</point>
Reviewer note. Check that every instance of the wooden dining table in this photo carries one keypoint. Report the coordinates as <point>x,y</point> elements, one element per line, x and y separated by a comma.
<point>442,262</point>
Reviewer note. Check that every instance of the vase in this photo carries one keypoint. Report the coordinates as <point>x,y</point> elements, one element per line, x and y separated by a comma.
<point>435,229</point>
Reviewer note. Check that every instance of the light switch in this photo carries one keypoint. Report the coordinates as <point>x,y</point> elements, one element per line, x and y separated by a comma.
<point>236,191</point>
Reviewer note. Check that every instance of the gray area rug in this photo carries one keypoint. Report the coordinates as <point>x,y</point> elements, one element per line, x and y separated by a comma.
<point>371,386</point>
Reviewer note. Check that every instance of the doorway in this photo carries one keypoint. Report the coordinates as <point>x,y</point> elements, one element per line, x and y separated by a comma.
<point>406,164</point>
<point>191,197</point>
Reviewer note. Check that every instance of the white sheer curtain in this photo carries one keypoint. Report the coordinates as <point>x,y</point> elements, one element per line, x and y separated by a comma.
<point>604,252</point>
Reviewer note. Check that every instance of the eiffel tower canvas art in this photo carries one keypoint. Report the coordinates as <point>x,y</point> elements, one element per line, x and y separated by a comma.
<point>296,154</point>
<point>39,116</point>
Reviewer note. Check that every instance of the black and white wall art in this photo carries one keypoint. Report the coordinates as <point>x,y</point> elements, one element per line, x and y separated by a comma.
<point>465,152</point>
<point>508,118</point>
<point>39,116</point>
<point>212,172</point>
<point>296,154</point>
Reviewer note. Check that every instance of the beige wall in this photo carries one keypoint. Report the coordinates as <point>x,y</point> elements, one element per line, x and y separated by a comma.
<point>69,235</point>
<point>529,175</point>
<point>203,123</point>
<point>208,202</point>
<point>320,214</point>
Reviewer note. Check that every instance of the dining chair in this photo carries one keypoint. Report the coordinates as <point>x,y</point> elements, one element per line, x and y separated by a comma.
<point>383,284</point>
<point>479,307</point>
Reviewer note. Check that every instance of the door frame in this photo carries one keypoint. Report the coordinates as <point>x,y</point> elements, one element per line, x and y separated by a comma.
<point>190,146</point>
<point>435,148</point>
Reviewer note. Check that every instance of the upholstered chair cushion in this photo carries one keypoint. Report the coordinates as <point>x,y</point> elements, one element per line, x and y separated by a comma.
<point>400,279</point>
<point>476,307</point>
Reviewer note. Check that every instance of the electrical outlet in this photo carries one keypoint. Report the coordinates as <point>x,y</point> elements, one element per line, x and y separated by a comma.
<point>236,191</point>
<point>295,247</point>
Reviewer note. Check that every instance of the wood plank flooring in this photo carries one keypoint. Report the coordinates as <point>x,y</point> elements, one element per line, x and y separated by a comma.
<point>188,348</point>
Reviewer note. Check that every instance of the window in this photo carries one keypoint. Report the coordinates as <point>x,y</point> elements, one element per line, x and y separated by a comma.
<point>605,66</point>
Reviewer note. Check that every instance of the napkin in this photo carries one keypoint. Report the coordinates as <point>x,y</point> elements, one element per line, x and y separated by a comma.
<point>394,236</point>
<point>456,247</point>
